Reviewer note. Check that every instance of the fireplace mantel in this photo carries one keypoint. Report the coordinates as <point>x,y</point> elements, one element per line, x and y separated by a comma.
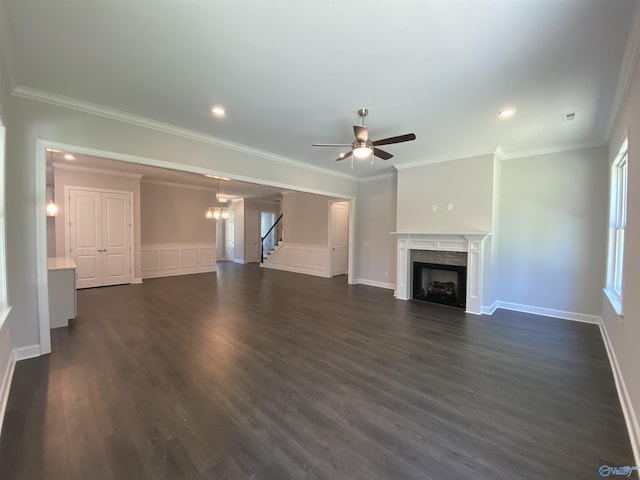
<point>470,242</point>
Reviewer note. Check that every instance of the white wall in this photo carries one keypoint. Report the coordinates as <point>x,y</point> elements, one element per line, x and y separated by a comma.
<point>552,235</point>
<point>175,214</point>
<point>30,121</point>
<point>466,183</point>
<point>376,218</point>
<point>237,206</point>
<point>624,332</point>
<point>305,218</point>
<point>77,178</point>
<point>6,353</point>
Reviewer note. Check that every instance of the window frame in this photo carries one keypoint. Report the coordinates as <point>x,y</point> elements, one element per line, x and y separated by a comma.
<point>614,288</point>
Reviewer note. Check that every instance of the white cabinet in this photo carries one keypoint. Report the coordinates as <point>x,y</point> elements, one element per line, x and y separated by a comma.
<point>62,291</point>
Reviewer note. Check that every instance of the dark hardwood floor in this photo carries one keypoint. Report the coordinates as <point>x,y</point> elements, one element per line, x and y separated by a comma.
<point>262,374</point>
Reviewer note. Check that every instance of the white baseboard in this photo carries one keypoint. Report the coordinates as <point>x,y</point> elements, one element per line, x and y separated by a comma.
<point>5,386</point>
<point>630,416</point>
<point>488,310</point>
<point>375,283</point>
<point>137,280</point>
<point>27,352</point>
<point>548,312</point>
<point>237,260</point>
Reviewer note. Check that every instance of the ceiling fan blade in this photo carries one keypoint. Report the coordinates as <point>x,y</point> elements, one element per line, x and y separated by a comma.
<point>362,134</point>
<point>382,154</point>
<point>331,145</point>
<point>344,156</point>
<point>399,139</point>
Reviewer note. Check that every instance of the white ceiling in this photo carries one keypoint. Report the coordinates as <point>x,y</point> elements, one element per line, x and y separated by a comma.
<point>295,72</point>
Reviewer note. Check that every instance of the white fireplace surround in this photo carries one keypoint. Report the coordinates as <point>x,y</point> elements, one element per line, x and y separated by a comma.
<point>470,242</point>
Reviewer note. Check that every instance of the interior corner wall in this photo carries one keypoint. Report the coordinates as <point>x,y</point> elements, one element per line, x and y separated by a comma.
<point>375,220</point>
<point>466,184</point>
<point>175,214</point>
<point>623,332</point>
<point>552,231</point>
<point>305,218</point>
<point>72,178</point>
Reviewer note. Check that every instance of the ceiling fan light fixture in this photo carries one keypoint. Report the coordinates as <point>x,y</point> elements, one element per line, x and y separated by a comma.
<point>362,151</point>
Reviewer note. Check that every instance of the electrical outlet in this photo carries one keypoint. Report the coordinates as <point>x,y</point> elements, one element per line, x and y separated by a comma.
<point>450,207</point>
<point>434,208</point>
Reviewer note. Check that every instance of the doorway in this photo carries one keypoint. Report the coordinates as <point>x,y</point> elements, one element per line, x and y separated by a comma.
<point>267,219</point>
<point>252,236</point>
<point>339,238</point>
<point>44,345</point>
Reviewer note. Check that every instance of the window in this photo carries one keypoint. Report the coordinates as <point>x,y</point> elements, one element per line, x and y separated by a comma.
<point>4,307</point>
<point>617,225</point>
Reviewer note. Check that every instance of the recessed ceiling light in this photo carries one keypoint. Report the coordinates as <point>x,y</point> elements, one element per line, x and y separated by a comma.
<point>218,111</point>
<point>68,156</point>
<point>506,112</point>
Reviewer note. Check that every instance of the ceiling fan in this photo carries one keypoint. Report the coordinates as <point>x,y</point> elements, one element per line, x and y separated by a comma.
<point>362,147</point>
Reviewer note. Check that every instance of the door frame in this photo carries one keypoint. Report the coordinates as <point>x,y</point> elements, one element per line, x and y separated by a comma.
<point>67,240</point>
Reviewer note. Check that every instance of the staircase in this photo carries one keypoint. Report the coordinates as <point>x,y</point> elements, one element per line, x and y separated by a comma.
<point>276,232</point>
<point>266,255</point>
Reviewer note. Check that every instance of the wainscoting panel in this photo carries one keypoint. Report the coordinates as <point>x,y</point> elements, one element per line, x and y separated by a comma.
<point>167,259</point>
<point>300,258</point>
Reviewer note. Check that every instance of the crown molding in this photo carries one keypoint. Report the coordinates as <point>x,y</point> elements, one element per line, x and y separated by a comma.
<point>431,161</point>
<point>100,171</point>
<point>499,154</point>
<point>502,155</point>
<point>629,61</point>
<point>29,93</point>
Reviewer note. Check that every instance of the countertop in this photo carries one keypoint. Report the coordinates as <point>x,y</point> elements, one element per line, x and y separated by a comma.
<point>60,263</point>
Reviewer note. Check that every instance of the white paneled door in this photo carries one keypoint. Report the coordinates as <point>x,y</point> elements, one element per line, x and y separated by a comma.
<point>339,238</point>
<point>252,236</point>
<point>100,237</point>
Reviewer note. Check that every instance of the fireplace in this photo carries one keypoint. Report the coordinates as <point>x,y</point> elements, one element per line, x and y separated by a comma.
<point>469,248</point>
<point>436,283</point>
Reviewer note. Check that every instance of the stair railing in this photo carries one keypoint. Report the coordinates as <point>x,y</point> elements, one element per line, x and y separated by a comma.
<point>279,230</point>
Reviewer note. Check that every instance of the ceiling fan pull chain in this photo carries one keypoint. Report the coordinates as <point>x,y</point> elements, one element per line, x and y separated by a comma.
<point>352,162</point>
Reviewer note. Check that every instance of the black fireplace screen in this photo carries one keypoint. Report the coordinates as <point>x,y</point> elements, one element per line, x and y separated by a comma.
<point>444,284</point>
